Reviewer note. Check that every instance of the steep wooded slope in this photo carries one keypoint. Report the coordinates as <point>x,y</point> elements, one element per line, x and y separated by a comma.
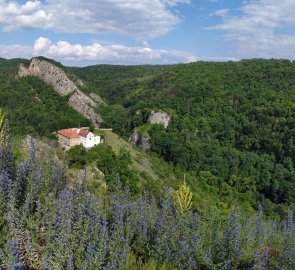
<point>115,82</point>
<point>31,105</point>
<point>233,124</point>
<point>56,76</point>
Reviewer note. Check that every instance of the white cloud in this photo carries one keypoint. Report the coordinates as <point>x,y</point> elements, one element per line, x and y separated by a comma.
<point>115,53</point>
<point>42,44</point>
<point>120,54</point>
<point>14,16</point>
<point>77,54</point>
<point>15,51</point>
<point>220,12</point>
<point>176,2</point>
<point>264,28</point>
<point>140,19</point>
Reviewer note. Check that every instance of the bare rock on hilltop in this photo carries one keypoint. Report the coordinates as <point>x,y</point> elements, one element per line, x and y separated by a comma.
<point>58,79</point>
<point>50,74</point>
<point>159,118</point>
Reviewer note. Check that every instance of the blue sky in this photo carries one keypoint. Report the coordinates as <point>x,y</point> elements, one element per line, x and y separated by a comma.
<point>147,31</point>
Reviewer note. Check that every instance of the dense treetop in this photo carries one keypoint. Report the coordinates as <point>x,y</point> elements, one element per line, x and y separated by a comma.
<point>233,123</point>
<point>232,127</point>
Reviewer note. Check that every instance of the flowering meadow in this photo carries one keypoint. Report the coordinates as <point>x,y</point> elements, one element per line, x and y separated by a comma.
<point>48,223</point>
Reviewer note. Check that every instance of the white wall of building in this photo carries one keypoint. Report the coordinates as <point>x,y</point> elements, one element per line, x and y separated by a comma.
<point>90,141</point>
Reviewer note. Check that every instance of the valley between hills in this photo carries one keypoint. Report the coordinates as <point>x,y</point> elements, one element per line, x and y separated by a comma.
<point>221,133</point>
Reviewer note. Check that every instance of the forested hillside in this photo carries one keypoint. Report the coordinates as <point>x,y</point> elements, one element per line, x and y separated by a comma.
<point>33,106</point>
<point>116,82</point>
<point>48,222</point>
<point>231,137</point>
<point>232,126</point>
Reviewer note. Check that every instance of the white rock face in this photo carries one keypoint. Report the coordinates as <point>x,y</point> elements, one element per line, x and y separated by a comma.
<point>60,82</point>
<point>159,118</point>
<point>50,74</point>
<point>84,105</point>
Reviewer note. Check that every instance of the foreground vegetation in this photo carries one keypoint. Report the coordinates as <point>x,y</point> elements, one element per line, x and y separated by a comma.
<point>48,223</point>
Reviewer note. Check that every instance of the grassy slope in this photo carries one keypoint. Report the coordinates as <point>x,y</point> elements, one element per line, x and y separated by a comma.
<point>141,160</point>
<point>155,173</point>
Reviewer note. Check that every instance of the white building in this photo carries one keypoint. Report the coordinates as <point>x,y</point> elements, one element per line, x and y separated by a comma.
<point>88,139</point>
<point>75,136</point>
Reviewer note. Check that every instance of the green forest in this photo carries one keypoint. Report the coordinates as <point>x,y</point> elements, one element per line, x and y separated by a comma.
<point>33,106</point>
<point>216,189</point>
<point>232,127</point>
<point>232,123</point>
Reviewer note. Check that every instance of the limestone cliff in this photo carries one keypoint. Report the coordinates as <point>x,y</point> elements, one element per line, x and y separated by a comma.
<point>85,105</point>
<point>50,74</point>
<point>140,139</point>
<point>159,118</point>
<point>58,79</point>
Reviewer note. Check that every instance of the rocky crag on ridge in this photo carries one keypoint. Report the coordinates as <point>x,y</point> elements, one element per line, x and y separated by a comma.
<point>143,139</point>
<point>57,78</point>
<point>161,118</point>
<point>140,139</point>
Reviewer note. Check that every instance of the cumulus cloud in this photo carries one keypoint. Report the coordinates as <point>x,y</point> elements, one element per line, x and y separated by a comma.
<point>42,44</point>
<point>77,54</point>
<point>14,51</point>
<point>140,19</point>
<point>14,16</point>
<point>264,28</point>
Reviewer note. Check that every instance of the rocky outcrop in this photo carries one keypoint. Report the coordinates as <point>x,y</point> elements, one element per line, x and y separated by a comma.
<point>84,105</point>
<point>159,118</point>
<point>57,78</point>
<point>140,139</point>
<point>140,135</point>
<point>50,74</point>
<point>97,98</point>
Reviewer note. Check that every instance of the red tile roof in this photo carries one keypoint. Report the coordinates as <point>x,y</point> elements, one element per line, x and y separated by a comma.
<point>84,133</point>
<point>72,133</point>
<point>69,133</point>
